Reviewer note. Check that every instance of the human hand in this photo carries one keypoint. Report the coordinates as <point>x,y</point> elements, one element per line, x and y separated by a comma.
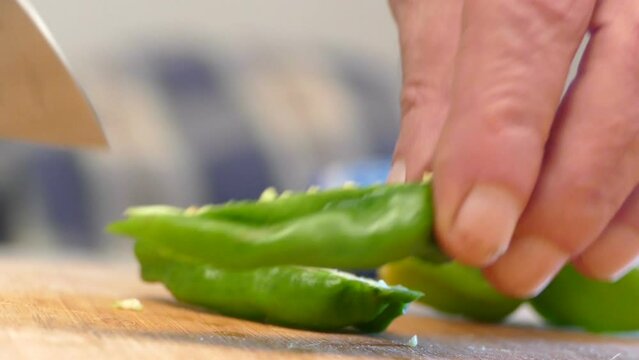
<point>524,180</point>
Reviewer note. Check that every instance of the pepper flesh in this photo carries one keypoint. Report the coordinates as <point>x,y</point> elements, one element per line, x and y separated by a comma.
<point>571,299</point>
<point>196,249</point>
<point>294,296</point>
<point>346,228</point>
<point>451,288</point>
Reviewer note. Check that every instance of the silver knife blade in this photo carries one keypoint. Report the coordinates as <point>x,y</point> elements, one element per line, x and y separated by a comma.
<point>40,101</point>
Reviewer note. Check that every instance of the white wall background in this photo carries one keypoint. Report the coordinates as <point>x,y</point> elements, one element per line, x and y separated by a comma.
<point>89,27</point>
<point>86,29</point>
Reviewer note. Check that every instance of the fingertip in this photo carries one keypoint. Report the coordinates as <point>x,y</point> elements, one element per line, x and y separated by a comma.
<point>397,174</point>
<point>527,267</point>
<point>584,268</point>
<point>483,226</point>
<point>611,256</point>
<point>494,278</point>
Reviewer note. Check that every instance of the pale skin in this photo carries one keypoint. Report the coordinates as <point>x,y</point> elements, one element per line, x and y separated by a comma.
<point>525,181</point>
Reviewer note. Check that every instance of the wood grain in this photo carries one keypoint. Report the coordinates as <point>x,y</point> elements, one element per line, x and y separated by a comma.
<point>64,310</point>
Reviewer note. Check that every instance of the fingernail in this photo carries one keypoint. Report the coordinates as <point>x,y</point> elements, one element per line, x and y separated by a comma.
<point>397,174</point>
<point>527,267</point>
<point>484,225</point>
<point>624,270</point>
<point>612,255</point>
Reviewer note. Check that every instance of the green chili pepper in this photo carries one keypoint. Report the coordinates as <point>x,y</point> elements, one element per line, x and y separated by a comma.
<point>451,288</point>
<point>254,259</point>
<point>345,228</point>
<point>574,300</point>
<point>310,298</point>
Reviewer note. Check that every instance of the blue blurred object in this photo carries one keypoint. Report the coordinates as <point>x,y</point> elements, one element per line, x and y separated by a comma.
<point>363,173</point>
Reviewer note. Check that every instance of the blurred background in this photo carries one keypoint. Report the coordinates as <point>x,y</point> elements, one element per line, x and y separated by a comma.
<point>204,101</point>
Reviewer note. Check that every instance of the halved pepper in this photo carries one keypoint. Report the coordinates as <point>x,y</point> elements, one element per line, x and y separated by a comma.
<point>294,296</point>
<point>573,300</point>
<point>451,288</point>
<point>343,228</point>
<point>216,255</point>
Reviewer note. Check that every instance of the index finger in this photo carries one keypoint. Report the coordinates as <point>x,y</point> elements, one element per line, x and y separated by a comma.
<point>512,63</point>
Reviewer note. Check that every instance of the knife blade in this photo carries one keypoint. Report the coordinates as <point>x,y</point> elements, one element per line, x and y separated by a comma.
<point>40,100</point>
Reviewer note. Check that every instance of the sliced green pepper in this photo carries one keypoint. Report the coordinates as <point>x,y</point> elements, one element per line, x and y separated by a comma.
<point>451,288</point>
<point>253,260</point>
<point>345,228</point>
<point>574,300</point>
<point>310,298</point>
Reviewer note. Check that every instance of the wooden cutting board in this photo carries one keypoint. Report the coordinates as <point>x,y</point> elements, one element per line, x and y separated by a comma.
<point>63,310</point>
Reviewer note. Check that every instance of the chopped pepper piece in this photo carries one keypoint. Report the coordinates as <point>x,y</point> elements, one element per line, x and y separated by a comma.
<point>304,297</point>
<point>451,288</point>
<point>361,228</point>
<point>571,299</point>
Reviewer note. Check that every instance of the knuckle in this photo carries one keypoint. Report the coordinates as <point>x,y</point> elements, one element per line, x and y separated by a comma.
<point>594,183</point>
<point>419,93</point>
<point>541,19</point>
<point>613,150</point>
<point>594,205</point>
<point>590,188</point>
<point>558,11</point>
<point>587,186</point>
<point>507,117</point>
